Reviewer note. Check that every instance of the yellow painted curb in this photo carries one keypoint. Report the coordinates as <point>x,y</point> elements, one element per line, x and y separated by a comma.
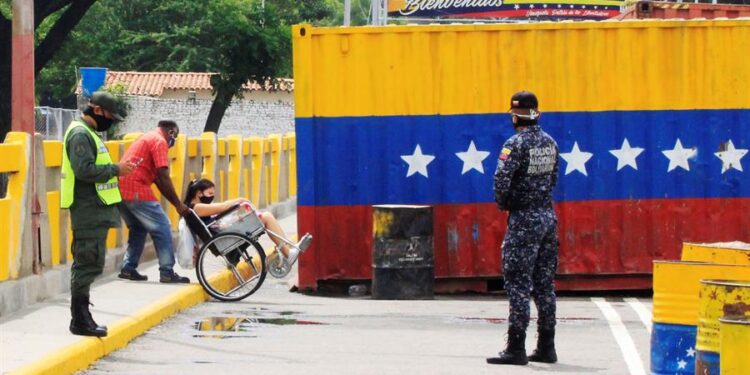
<point>86,351</point>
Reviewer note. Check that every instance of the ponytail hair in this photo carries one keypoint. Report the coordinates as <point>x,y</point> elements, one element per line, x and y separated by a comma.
<point>194,187</point>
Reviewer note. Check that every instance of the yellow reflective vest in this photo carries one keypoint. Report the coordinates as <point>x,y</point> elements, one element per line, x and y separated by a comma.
<point>108,192</point>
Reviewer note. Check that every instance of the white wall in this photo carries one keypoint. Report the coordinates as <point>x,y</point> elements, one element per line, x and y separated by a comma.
<point>256,115</point>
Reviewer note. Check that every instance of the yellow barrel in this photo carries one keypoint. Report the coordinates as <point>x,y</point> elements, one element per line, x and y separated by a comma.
<point>735,345</point>
<point>717,299</point>
<point>677,284</point>
<point>722,252</point>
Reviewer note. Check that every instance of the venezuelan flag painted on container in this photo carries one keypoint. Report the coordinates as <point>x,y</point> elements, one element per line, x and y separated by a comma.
<point>652,119</point>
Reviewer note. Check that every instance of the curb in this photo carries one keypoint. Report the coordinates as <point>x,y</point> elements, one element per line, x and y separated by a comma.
<point>84,352</point>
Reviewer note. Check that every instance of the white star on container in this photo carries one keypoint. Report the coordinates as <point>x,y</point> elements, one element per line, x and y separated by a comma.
<point>678,156</point>
<point>584,7</point>
<point>516,6</point>
<point>626,155</point>
<point>559,6</point>
<point>681,364</point>
<point>576,160</point>
<point>472,159</point>
<point>596,7</point>
<point>417,162</point>
<point>730,157</point>
<point>545,6</point>
<point>531,6</point>
<point>571,6</point>
<point>690,352</point>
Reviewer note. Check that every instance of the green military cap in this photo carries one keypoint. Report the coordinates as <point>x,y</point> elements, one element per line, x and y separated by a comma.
<point>110,103</point>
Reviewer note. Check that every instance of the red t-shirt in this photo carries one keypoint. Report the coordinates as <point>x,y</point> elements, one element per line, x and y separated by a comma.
<point>152,147</point>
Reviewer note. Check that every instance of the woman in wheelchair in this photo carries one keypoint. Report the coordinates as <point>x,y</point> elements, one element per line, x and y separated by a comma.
<point>200,197</point>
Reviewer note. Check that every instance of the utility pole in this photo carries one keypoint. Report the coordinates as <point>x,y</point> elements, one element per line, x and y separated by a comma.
<point>22,98</point>
<point>379,10</point>
<point>22,67</point>
<point>347,12</point>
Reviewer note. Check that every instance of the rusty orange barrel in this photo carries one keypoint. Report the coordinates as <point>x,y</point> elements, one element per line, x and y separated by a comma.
<point>735,345</point>
<point>717,299</point>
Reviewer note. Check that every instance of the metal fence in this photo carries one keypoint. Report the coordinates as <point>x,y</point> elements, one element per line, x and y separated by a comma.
<point>52,122</point>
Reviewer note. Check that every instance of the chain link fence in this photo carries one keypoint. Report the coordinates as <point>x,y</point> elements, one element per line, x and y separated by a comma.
<point>52,122</point>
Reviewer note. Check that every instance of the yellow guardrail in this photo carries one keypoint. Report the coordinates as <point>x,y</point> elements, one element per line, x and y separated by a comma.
<point>253,167</point>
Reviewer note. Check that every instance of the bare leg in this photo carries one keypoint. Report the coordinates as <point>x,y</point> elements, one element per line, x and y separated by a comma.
<point>269,221</point>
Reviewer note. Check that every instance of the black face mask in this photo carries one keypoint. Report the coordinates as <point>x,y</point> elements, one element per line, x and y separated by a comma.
<point>102,123</point>
<point>206,199</point>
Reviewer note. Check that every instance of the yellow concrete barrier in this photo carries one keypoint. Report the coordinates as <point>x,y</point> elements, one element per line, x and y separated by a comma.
<point>15,154</point>
<point>253,167</point>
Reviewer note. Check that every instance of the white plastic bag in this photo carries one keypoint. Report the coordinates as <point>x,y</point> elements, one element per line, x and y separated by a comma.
<point>185,246</point>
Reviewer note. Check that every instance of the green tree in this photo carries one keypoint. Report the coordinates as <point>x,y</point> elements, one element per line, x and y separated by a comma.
<point>53,21</point>
<point>238,39</point>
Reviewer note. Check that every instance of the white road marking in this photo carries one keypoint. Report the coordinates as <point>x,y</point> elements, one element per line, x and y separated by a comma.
<point>627,346</point>
<point>643,312</point>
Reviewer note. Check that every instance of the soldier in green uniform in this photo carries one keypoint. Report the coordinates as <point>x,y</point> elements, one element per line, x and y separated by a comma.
<point>89,189</point>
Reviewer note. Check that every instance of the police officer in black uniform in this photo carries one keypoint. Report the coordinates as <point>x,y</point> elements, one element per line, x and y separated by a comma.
<point>525,176</point>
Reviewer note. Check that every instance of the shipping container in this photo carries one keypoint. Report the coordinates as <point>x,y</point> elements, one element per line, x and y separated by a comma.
<point>666,10</point>
<point>652,141</point>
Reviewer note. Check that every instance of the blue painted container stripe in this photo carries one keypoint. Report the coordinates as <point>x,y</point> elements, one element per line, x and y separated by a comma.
<point>358,160</point>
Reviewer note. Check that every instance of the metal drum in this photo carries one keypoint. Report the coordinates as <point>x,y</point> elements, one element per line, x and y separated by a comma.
<point>676,286</point>
<point>735,345</point>
<point>402,255</point>
<point>723,253</point>
<point>718,299</point>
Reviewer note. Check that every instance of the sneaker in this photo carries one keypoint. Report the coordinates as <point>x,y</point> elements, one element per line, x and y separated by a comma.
<point>132,275</point>
<point>174,278</point>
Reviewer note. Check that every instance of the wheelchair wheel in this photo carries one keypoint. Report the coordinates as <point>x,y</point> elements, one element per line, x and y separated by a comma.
<point>231,267</point>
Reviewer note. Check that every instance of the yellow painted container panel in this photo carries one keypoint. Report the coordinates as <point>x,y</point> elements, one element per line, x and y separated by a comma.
<point>52,153</point>
<point>676,286</point>
<point>719,299</point>
<point>723,253</point>
<point>735,346</point>
<point>464,69</point>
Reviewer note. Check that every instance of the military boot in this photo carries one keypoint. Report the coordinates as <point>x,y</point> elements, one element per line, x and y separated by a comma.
<point>90,319</point>
<point>515,351</point>
<point>81,322</point>
<point>545,347</point>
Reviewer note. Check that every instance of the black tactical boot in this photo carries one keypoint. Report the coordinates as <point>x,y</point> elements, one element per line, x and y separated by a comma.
<point>545,347</point>
<point>81,323</point>
<point>515,351</point>
<point>90,319</point>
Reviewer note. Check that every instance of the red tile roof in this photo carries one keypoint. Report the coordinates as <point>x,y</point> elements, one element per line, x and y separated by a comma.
<point>154,83</point>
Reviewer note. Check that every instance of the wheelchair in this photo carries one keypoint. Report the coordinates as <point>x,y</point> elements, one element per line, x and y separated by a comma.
<point>231,263</point>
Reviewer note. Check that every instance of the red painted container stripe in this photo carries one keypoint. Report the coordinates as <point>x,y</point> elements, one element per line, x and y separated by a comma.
<point>598,239</point>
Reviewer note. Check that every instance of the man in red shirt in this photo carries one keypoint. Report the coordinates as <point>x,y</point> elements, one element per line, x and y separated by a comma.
<point>140,209</point>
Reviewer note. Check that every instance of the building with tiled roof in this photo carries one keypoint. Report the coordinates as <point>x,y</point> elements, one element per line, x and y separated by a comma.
<point>174,85</point>
<point>187,99</point>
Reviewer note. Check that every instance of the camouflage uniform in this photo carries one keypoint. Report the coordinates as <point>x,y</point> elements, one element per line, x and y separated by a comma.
<point>524,179</point>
